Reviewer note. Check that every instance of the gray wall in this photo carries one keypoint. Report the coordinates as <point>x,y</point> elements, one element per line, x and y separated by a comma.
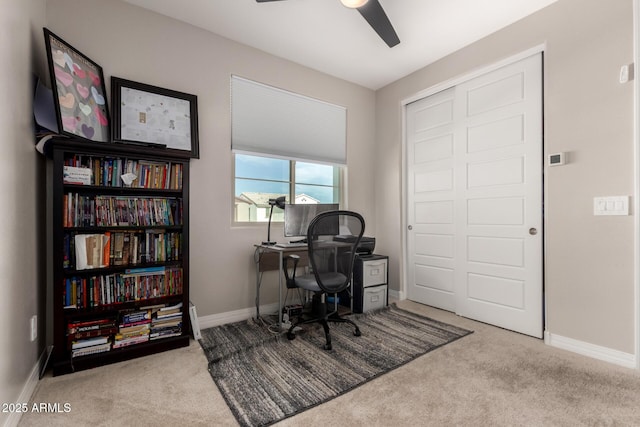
<point>589,260</point>
<point>21,285</point>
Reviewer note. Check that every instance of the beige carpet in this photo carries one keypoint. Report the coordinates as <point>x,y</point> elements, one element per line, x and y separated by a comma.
<point>492,377</point>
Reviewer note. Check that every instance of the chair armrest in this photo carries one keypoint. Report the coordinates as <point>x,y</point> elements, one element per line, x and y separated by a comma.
<point>291,281</point>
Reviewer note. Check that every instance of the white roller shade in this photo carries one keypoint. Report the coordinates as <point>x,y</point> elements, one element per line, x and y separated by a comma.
<point>275,122</point>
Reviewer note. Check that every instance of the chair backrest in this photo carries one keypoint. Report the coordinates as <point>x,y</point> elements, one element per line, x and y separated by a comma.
<point>333,238</point>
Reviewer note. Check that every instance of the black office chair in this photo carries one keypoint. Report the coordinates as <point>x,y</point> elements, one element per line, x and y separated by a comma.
<point>332,238</point>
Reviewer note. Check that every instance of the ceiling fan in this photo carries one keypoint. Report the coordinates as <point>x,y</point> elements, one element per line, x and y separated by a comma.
<point>374,14</point>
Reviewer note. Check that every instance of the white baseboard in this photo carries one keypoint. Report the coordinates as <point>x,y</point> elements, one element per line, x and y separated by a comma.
<point>591,350</point>
<point>27,391</point>
<point>398,295</point>
<point>247,313</point>
<point>234,316</point>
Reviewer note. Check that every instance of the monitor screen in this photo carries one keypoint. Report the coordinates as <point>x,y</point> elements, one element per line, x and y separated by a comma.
<point>298,217</point>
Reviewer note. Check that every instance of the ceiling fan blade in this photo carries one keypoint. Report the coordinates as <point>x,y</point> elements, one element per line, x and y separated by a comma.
<point>373,12</point>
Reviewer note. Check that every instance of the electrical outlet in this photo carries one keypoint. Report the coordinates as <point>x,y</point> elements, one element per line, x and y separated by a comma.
<point>34,327</point>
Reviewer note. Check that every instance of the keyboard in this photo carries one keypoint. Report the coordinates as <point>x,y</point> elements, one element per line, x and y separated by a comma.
<point>291,245</point>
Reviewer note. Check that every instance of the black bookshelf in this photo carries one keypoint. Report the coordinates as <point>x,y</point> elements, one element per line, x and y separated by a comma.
<point>169,275</point>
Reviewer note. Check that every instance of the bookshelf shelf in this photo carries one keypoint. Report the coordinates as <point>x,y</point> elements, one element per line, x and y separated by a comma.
<point>118,190</point>
<point>121,354</point>
<point>120,268</point>
<point>118,253</point>
<point>72,313</point>
<point>122,228</point>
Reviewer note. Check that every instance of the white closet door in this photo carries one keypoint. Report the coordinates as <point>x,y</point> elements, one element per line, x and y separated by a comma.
<point>475,198</point>
<point>432,196</point>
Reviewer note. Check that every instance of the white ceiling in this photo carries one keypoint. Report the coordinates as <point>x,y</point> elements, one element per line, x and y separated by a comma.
<point>326,36</point>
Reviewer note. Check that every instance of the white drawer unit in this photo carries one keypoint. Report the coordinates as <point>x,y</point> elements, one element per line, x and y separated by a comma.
<point>370,283</point>
<point>374,297</point>
<point>374,272</point>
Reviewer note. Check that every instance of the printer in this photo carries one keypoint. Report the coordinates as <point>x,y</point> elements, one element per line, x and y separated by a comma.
<point>366,246</point>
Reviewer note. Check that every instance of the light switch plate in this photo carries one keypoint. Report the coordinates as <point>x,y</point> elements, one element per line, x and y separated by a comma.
<point>611,205</point>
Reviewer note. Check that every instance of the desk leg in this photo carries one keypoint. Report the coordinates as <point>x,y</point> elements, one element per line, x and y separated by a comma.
<point>258,285</point>
<point>280,282</point>
<point>281,273</point>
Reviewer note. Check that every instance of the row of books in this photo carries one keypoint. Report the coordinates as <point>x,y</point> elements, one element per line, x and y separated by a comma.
<point>130,328</point>
<point>133,329</point>
<point>113,248</point>
<point>133,284</point>
<point>166,322</point>
<point>91,337</point>
<point>149,324</point>
<point>80,210</point>
<point>116,172</point>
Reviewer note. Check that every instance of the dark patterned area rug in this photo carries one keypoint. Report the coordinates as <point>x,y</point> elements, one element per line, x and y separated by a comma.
<point>265,378</point>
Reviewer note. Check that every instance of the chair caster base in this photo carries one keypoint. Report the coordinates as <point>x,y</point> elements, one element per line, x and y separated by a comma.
<point>291,336</point>
<point>327,347</point>
<point>357,332</point>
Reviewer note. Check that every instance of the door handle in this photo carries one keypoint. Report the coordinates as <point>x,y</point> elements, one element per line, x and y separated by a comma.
<point>533,231</point>
<point>410,227</point>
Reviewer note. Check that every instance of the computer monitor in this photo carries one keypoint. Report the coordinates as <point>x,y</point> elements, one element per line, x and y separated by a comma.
<point>298,217</point>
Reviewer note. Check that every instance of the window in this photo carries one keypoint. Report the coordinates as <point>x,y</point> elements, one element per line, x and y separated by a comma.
<point>284,144</point>
<point>258,179</point>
